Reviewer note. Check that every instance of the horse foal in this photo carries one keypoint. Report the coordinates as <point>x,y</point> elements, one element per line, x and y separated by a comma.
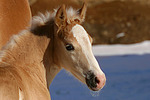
<point>31,59</point>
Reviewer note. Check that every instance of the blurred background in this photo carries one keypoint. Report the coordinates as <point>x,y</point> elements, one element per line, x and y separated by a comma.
<point>117,27</point>
<point>106,19</point>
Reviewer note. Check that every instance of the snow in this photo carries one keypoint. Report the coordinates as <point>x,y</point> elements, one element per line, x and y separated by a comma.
<point>118,49</point>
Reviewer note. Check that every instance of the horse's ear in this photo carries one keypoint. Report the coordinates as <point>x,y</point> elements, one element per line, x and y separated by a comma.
<point>61,16</point>
<point>82,12</point>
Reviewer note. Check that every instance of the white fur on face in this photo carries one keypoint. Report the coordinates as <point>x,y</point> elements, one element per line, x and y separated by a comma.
<point>81,35</point>
<point>83,40</point>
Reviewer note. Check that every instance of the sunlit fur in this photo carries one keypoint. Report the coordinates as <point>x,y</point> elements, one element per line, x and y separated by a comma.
<point>14,17</point>
<point>31,59</point>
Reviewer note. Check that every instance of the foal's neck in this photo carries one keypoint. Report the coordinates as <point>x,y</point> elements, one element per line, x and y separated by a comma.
<point>33,51</point>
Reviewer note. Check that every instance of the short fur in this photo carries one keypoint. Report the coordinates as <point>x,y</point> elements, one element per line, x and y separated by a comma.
<point>31,59</point>
<point>15,16</point>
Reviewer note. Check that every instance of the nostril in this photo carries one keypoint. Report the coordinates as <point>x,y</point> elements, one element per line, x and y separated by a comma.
<point>97,80</point>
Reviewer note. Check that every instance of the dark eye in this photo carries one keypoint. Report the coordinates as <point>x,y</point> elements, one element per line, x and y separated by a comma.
<point>69,47</point>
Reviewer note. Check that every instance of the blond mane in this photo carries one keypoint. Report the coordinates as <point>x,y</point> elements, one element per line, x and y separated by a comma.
<point>42,19</point>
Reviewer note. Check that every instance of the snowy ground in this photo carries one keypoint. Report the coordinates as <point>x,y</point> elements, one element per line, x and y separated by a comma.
<point>130,49</point>
<point>127,69</point>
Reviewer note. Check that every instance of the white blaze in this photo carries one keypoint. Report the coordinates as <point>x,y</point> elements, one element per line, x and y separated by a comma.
<point>80,34</point>
<point>83,40</point>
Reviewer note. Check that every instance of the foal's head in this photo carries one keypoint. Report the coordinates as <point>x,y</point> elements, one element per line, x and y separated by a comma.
<point>74,50</point>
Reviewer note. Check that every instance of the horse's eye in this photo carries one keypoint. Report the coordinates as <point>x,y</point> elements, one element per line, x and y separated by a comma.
<point>69,47</point>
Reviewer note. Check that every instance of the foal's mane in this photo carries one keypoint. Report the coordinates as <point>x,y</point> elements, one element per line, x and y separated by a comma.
<point>43,19</point>
<point>43,24</point>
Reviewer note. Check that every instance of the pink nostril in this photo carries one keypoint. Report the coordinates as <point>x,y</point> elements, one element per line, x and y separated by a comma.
<point>100,80</point>
<point>97,80</point>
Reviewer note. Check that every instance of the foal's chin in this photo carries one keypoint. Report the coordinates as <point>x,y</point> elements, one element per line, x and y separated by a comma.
<point>94,89</point>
